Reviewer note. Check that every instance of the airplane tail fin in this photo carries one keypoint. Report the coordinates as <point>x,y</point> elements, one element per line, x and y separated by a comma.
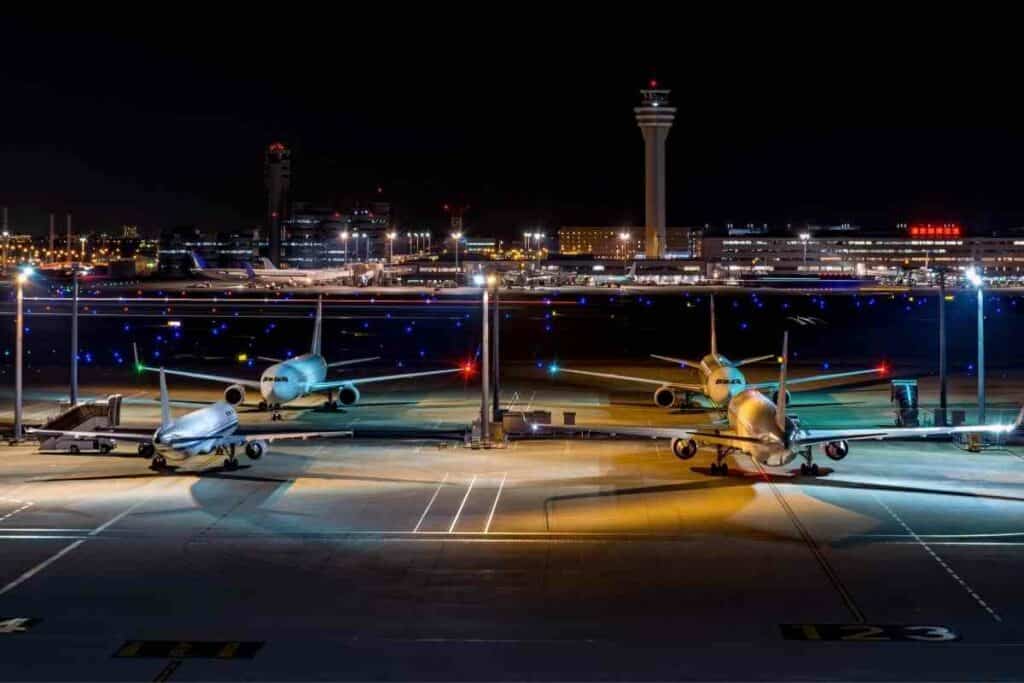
<point>317,327</point>
<point>780,407</point>
<point>631,273</point>
<point>249,270</point>
<point>198,261</point>
<point>165,401</point>
<point>1019,422</point>
<point>714,339</point>
<point>267,263</point>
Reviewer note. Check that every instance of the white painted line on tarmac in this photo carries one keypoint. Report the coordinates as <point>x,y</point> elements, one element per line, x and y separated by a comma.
<point>429,504</point>
<point>458,512</point>
<point>68,548</point>
<point>490,517</point>
<point>942,563</point>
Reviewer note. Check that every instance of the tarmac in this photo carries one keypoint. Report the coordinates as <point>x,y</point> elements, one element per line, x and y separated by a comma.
<point>420,558</point>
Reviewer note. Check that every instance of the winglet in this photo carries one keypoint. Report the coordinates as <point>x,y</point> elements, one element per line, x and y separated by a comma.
<point>198,261</point>
<point>780,407</point>
<point>714,340</point>
<point>165,402</point>
<point>1019,422</point>
<point>317,326</point>
<point>135,352</point>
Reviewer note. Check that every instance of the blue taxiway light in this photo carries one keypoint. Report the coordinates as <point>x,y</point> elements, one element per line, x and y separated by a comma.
<point>553,368</point>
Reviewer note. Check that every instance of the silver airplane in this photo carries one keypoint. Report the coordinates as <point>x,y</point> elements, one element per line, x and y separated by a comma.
<point>761,429</point>
<point>287,380</point>
<point>720,378</point>
<point>268,273</point>
<point>210,429</point>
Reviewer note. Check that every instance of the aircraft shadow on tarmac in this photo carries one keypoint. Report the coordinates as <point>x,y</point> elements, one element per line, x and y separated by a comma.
<point>737,491</point>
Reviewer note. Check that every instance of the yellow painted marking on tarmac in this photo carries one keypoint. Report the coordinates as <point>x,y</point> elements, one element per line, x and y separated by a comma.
<point>130,649</point>
<point>810,632</point>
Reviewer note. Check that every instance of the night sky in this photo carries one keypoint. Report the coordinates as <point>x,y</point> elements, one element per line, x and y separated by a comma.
<point>162,120</point>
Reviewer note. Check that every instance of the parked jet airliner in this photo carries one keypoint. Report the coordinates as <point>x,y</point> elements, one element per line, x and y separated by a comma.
<point>287,380</point>
<point>762,429</point>
<point>210,429</point>
<point>720,378</point>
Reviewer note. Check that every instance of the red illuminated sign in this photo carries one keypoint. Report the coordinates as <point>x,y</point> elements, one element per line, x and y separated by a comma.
<point>936,231</point>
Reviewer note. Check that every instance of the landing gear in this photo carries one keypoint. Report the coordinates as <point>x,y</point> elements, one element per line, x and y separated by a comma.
<point>809,468</point>
<point>146,450</point>
<point>159,463</point>
<point>73,449</point>
<point>720,467</point>
<point>262,407</point>
<point>275,416</point>
<point>231,463</point>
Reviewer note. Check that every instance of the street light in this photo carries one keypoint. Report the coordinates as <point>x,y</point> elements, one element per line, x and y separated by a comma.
<point>805,237</point>
<point>625,237</point>
<point>82,241</point>
<point>391,246</point>
<point>456,236</point>
<point>23,275</point>
<point>527,236</point>
<point>7,240</point>
<point>975,279</point>
<point>344,241</point>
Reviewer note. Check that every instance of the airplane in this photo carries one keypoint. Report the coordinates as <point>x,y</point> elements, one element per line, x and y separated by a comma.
<point>602,280</point>
<point>268,273</point>
<point>210,429</point>
<point>720,378</point>
<point>287,380</point>
<point>761,429</point>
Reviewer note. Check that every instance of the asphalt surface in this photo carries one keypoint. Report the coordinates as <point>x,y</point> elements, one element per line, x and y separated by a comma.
<point>423,559</point>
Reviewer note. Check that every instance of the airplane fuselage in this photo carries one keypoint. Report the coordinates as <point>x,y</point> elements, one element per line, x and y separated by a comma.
<point>721,379</point>
<point>197,433</point>
<point>752,416</point>
<point>288,380</point>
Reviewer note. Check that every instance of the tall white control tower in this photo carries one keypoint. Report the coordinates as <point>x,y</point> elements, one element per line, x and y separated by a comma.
<point>654,117</point>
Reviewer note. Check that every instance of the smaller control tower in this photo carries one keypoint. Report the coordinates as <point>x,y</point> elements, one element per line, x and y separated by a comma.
<point>654,117</point>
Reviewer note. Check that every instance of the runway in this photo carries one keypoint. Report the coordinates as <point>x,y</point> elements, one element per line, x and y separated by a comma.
<point>421,558</point>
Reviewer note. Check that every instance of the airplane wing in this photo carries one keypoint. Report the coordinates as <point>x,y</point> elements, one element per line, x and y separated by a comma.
<point>696,388</point>
<point>252,383</point>
<point>755,359</point>
<point>352,361</point>
<point>709,437</point>
<point>815,378</point>
<point>281,436</point>
<point>132,437</point>
<point>677,361</point>
<point>811,437</point>
<point>337,383</point>
<point>269,359</point>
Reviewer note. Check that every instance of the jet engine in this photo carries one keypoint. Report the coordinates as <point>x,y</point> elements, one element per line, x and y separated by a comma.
<point>255,449</point>
<point>775,397</point>
<point>348,395</point>
<point>684,449</point>
<point>235,395</point>
<point>666,397</point>
<point>837,450</point>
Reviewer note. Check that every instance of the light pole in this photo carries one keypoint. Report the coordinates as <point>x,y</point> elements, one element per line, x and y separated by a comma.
<point>73,391</point>
<point>427,234</point>
<point>81,241</point>
<point>456,236</point>
<point>495,281</point>
<point>19,335</point>
<point>344,241</point>
<point>540,243</point>
<point>391,246</point>
<point>526,241</point>
<point>485,282</point>
<point>624,237</point>
<point>805,237</point>
<point>7,240</point>
<point>942,348</point>
<point>975,279</point>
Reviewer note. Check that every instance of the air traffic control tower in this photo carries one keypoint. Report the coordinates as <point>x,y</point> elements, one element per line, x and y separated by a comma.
<point>654,117</point>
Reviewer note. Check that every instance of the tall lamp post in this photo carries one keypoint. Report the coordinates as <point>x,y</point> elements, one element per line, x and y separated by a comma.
<point>73,390</point>
<point>391,246</point>
<point>19,322</point>
<point>944,415</point>
<point>805,237</point>
<point>344,241</point>
<point>427,235</point>
<point>7,240</point>
<point>81,241</point>
<point>975,279</point>
<point>456,236</point>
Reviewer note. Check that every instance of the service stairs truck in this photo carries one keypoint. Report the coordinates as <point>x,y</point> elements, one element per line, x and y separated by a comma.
<point>88,416</point>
